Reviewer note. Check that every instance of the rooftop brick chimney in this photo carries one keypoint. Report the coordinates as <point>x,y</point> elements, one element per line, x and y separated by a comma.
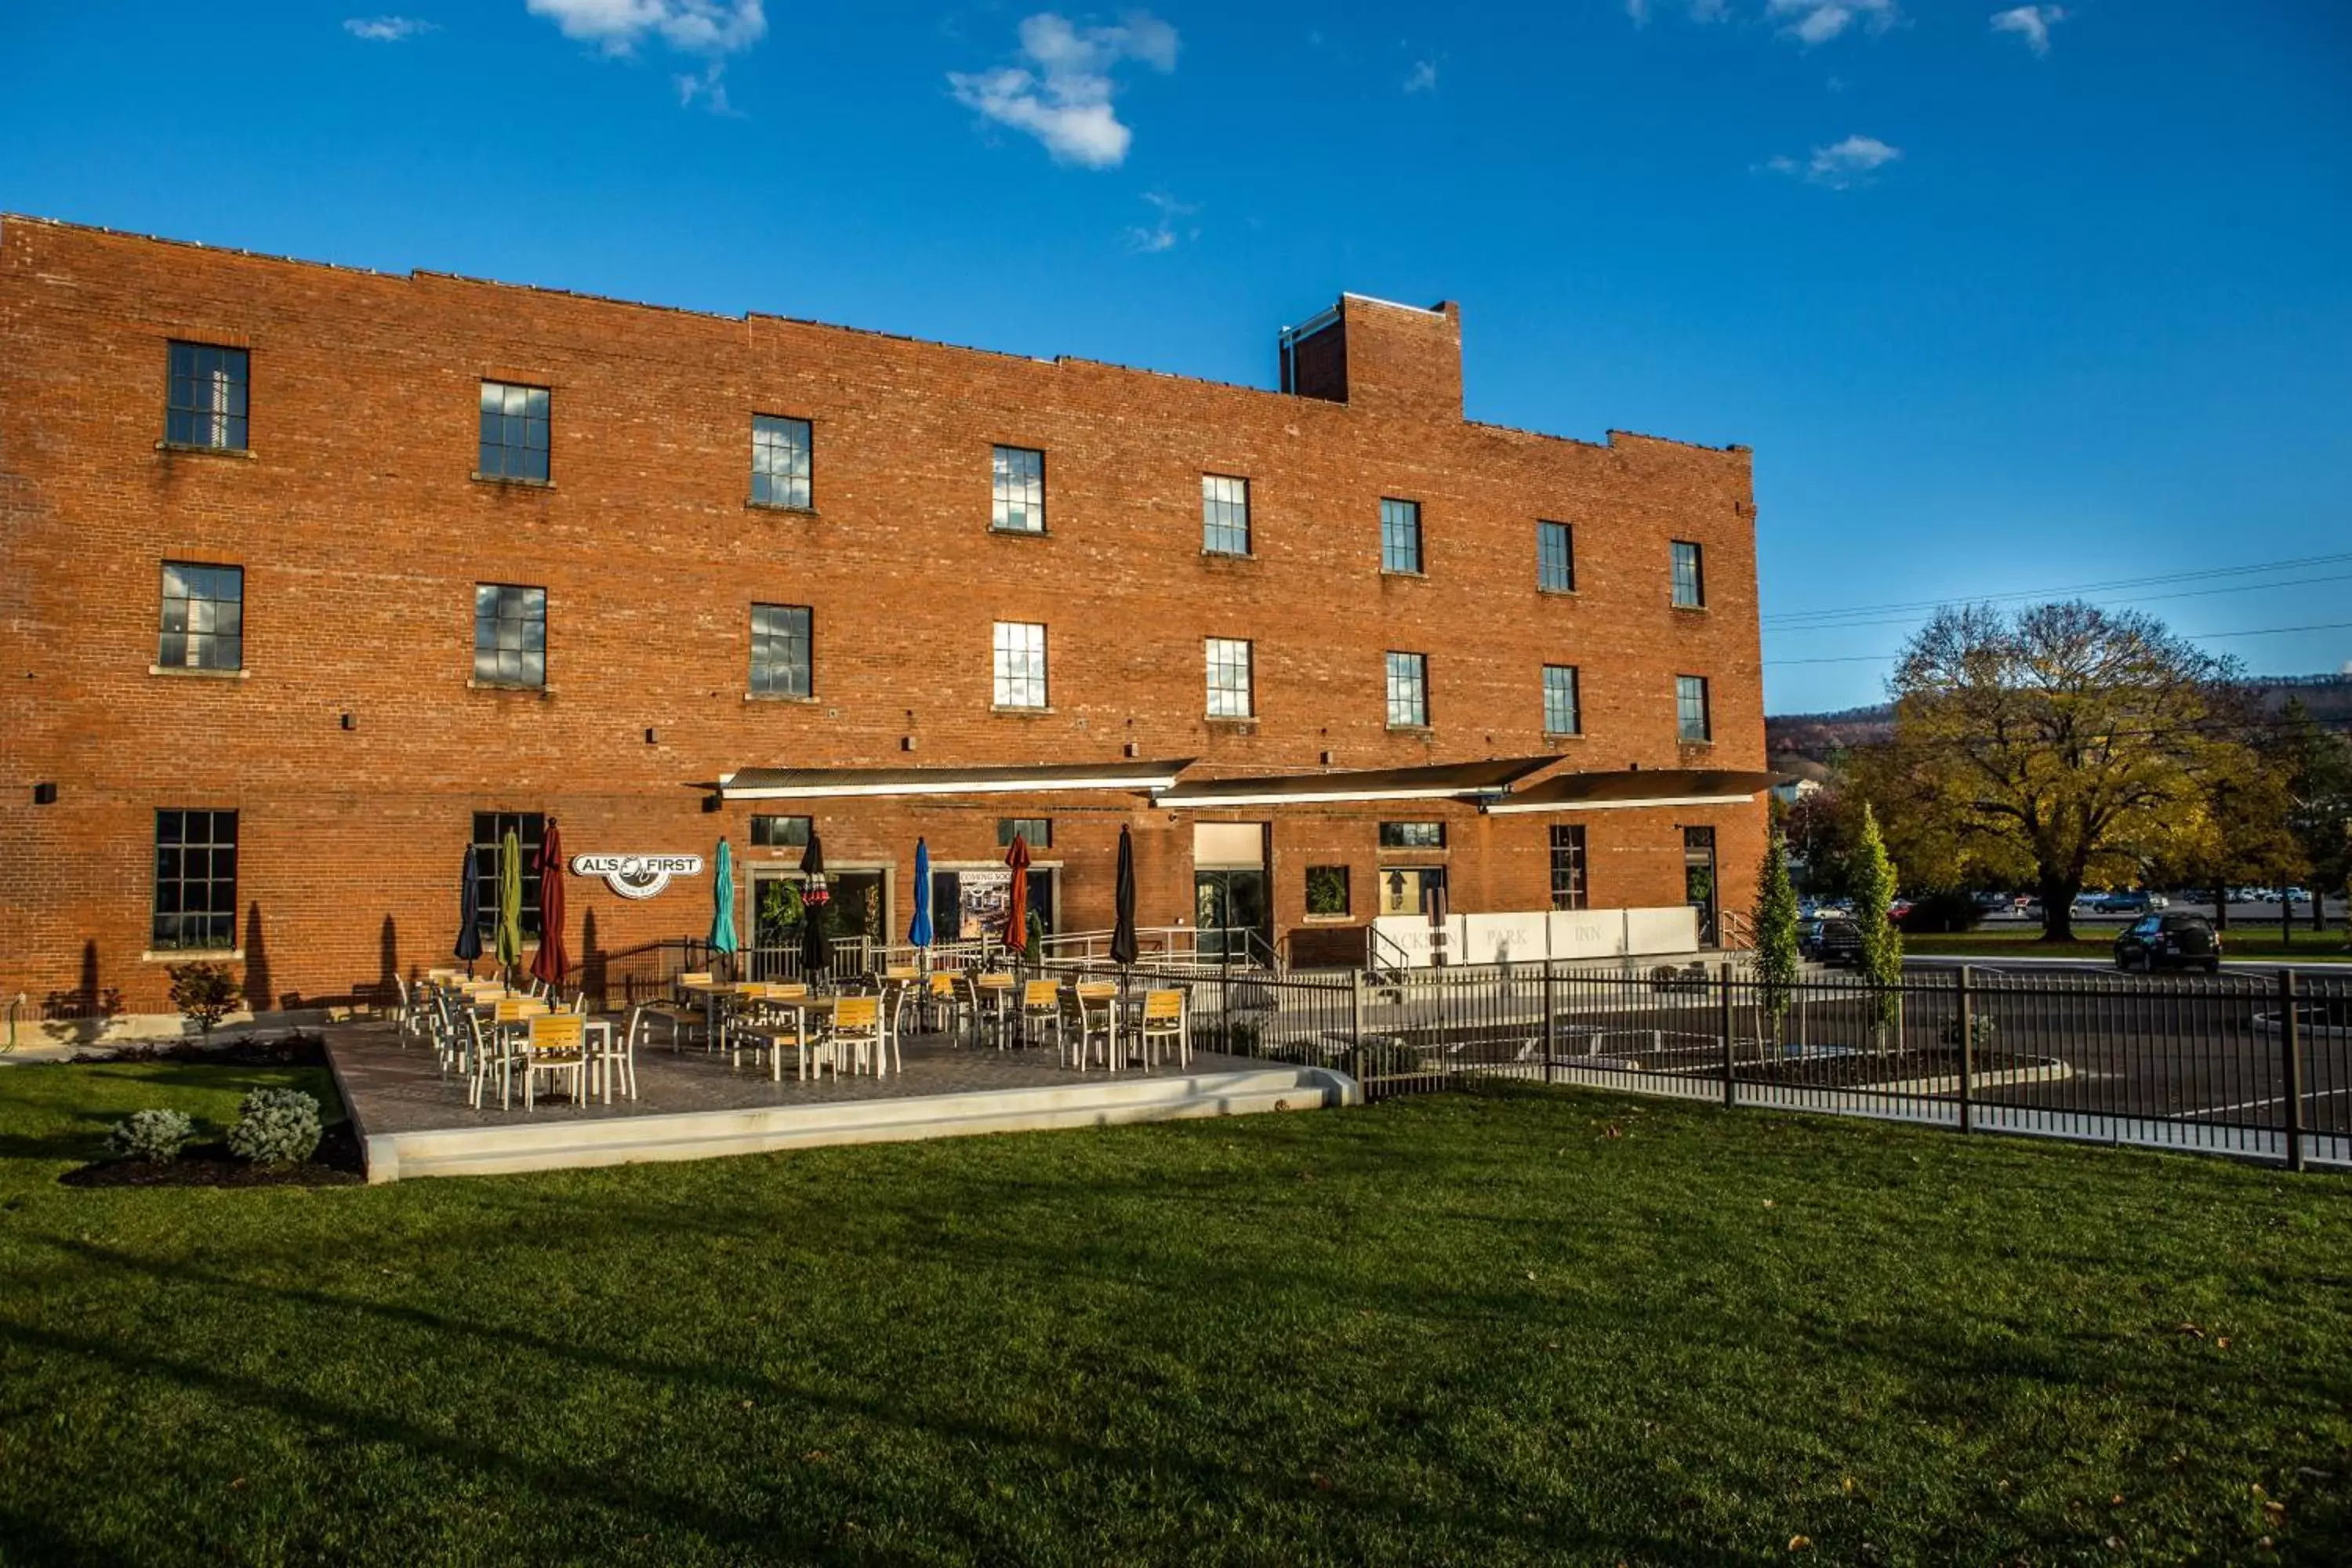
<point>1372,354</point>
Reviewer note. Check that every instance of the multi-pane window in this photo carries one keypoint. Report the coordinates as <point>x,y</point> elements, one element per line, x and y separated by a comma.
<point>1020,665</point>
<point>1690,576</point>
<point>1408,691</point>
<point>780,461</point>
<point>491,830</point>
<point>1229,678</point>
<point>196,880</point>
<point>1399,536</point>
<point>509,634</point>
<point>1037,832</point>
<point>1568,889</point>
<point>1560,700</point>
<point>779,832</point>
<point>1412,836</point>
<point>1554,558</point>
<point>206,406</point>
<point>1326,891</point>
<point>1020,481</point>
<point>514,432</point>
<point>204,617</point>
<point>1690,707</point>
<point>780,650</point>
<point>1225,515</point>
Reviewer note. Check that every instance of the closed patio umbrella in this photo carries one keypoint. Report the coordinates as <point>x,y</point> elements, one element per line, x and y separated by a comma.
<point>1016,898</point>
<point>470,911</point>
<point>551,962</point>
<point>816,954</point>
<point>1122,927</point>
<point>509,902</point>
<point>722,902</point>
<point>918,930</point>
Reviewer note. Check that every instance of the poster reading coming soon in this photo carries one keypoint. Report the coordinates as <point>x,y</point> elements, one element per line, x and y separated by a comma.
<point>981,897</point>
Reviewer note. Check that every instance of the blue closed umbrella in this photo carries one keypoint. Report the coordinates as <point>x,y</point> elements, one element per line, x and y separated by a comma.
<point>470,911</point>
<point>722,904</point>
<point>919,932</point>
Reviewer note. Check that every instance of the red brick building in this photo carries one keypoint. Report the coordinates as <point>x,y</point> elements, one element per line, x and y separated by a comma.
<point>315,574</point>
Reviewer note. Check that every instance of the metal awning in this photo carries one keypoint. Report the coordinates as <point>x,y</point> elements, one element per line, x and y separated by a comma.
<point>1045,778</point>
<point>1442,781</point>
<point>1637,787</point>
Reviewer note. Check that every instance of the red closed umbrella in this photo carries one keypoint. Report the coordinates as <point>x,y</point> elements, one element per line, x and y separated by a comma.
<point>550,963</point>
<point>1017,901</point>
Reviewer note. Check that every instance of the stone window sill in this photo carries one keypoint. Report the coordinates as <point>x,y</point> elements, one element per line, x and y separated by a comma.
<point>196,955</point>
<point>780,506</point>
<point>1689,609</point>
<point>1556,593</point>
<point>515,688</point>
<point>1246,722</point>
<point>195,449</point>
<point>1019,533</point>
<point>1563,735</point>
<point>779,697</point>
<point>1342,918</point>
<point>1016,711</point>
<point>517,479</point>
<point>1412,729</point>
<point>197,672</point>
<point>1694,739</point>
<point>1401,572</point>
<point>1228,554</point>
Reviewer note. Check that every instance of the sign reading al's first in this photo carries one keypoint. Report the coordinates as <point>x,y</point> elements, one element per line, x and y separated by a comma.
<point>636,875</point>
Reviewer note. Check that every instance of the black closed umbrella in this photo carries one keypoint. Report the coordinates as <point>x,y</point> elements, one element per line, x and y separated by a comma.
<point>1122,930</point>
<point>816,954</point>
<point>469,911</point>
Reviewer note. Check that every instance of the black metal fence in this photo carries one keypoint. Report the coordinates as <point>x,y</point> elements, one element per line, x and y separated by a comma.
<point>2245,1063</point>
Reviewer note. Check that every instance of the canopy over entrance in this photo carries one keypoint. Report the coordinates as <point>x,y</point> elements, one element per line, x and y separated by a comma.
<point>1636,787</point>
<point>1045,778</point>
<point>1443,781</point>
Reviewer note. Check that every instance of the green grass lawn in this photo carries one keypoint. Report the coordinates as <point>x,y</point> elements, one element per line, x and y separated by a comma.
<point>1496,1328</point>
<point>2239,944</point>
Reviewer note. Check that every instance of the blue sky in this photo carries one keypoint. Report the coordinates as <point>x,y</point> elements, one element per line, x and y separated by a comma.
<point>2006,299</point>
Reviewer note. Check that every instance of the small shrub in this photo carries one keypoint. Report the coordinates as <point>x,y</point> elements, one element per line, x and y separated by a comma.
<point>1944,910</point>
<point>155,1136</point>
<point>1980,1026</point>
<point>275,1127</point>
<point>204,993</point>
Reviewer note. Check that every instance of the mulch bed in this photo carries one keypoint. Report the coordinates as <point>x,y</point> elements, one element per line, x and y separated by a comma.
<point>335,1163</point>
<point>295,1050</point>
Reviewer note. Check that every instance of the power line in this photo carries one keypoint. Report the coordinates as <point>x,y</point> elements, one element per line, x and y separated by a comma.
<point>2192,637</point>
<point>2119,583</point>
<point>2134,599</point>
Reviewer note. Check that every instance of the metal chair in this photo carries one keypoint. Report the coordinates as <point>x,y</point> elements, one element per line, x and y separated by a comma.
<point>554,1044</point>
<point>1164,1027</point>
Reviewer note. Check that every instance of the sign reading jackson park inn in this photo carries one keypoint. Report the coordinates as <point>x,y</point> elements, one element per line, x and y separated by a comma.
<point>636,875</point>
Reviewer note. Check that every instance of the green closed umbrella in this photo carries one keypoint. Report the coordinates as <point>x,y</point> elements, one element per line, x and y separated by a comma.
<point>722,904</point>
<point>509,902</point>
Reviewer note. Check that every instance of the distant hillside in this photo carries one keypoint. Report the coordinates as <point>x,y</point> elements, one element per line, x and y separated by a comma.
<point>1820,736</point>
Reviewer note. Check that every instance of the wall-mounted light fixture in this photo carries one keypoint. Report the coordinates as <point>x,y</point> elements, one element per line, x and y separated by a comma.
<point>45,795</point>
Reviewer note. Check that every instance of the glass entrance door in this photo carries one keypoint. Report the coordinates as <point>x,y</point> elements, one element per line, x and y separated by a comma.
<point>1698,879</point>
<point>1229,907</point>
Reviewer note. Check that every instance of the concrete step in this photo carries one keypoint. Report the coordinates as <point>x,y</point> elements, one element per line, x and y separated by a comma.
<point>627,1139</point>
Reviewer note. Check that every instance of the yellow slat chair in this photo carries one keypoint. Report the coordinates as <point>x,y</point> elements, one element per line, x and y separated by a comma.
<point>1094,1017</point>
<point>1164,1027</point>
<point>992,1002</point>
<point>767,1020</point>
<point>554,1044</point>
<point>683,1013</point>
<point>1041,1012</point>
<point>858,1029</point>
<point>943,1006</point>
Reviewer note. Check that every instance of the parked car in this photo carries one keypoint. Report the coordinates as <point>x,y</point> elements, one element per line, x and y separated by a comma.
<point>1833,941</point>
<point>2130,903</point>
<point>2157,942</point>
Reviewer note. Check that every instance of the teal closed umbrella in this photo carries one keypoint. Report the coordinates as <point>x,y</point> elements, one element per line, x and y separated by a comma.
<point>722,904</point>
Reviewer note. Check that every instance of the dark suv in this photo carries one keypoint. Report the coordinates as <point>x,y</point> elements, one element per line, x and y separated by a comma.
<point>2169,941</point>
<point>1833,942</point>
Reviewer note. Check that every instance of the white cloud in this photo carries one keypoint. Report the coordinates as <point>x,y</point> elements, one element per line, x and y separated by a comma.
<point>386,29</point>
<point>1422,77</point>
<point>1700,11</point>
<point>2030,23</point>
<point>690,27</point>
<point>1840,165</point>
<point>1062,94</point>
<point>1818,21</point>
<point>1640,11</point>
<point>1166,234</point>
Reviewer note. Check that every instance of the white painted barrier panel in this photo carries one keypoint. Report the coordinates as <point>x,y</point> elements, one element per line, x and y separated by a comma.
<point>1503,939</point>
<point>1586,933</point>
<point>1532,936</point>
<point>1661,931</point>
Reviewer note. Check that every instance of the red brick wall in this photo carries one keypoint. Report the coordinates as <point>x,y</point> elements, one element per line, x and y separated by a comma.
<point>362,536</point>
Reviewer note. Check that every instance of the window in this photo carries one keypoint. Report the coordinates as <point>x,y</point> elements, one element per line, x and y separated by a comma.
<point>1020,665</point>
<point>206,406</point>
<point>1568,889</point>
<point>491,830</point>
<point>1412,836</point>
<point>1327,892</point>
<point>196,880</point>
<point>204,617</point>
<point>1229,678</point>
<point>1560,700</point>
<point>1037,831</point>
<point>1225,515</point>
<point>779,832</point>
<point>509,634</point>
<point>1020,505</point>
<point>780,650</point>
<point>1554,558</point>
<point>779,462</point>
<point>1408,691</point>
<point>1399,536</point>
<point>1690,577</point>
<point>1690,707</point>
<point>514,433</point>
<point>1407,889</point>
